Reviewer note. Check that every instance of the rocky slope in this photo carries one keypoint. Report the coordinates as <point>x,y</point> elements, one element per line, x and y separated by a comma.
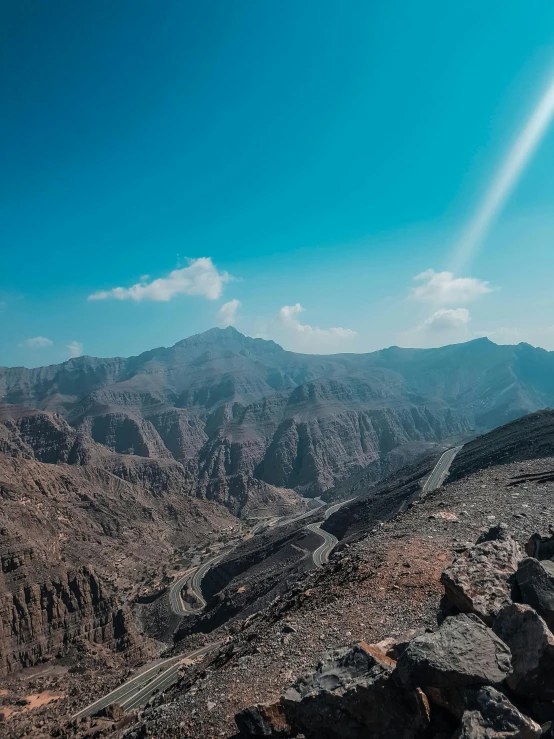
<point>531,437</point>
<point>74,540</point>
<point>48,437</point>
<point>485,672</point>
<point>235,410</point>
<point>378,587</point>
<point>81,527</point>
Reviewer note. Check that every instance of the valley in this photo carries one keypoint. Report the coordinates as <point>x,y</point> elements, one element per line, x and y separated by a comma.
<point>154,508</point>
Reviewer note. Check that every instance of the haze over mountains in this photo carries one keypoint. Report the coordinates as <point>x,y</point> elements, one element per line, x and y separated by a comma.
<point>240,414</point>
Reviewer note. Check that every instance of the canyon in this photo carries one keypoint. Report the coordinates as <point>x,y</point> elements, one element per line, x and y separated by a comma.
<point>244,418</point>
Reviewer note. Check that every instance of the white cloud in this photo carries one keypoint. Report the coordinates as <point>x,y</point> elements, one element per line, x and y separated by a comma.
<point>75,348</point>
<point>37,342</point>
<point>227,314</point>
<point>443,287</point>
<point>310,338</point>
<point>201,277</point>
<point>446,319</point>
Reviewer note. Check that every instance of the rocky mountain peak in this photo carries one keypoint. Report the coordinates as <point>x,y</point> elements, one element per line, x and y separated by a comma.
<point>227,338</point>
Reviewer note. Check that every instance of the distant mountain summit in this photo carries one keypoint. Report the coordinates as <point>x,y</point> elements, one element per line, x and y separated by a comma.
<point>230,338</point>
<point>239,412</point>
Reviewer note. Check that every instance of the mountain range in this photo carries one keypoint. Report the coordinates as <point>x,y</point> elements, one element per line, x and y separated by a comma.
<point>243,417</point>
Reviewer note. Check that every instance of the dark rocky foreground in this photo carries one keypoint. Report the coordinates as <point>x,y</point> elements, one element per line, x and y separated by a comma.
<point>486,672</point>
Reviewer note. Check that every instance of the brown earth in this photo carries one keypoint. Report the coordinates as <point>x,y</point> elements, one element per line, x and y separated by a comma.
<point>378,587</point>
<point>375,588</point>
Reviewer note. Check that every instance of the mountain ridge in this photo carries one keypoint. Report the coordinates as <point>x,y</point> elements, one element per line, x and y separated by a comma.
<point>240,411</point>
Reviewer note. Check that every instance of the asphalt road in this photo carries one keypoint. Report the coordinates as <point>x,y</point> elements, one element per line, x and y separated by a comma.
<point>440,470</point>
<point>138,690</point>
<point>321,554</point>
<point>192,578</point>
<point>334,508</point>
<point>263,525</point>
<point>175,600</point>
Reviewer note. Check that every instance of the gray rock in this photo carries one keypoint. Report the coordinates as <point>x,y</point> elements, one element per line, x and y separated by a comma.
<point>536,585</point>
<point>481,579</point>
<point>490,715</point>
<point>541,547</point>
<point>351,694</point>
<point>532,646</point>
<point>463,651</point>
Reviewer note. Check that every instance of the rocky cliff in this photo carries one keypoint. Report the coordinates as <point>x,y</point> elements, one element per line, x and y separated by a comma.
<point>44,618</point>
<point>74,541</point>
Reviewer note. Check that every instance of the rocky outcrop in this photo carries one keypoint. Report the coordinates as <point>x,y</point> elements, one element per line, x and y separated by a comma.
<point>46,437</point>
<point>490,714</point>
<point>536,584</point>
<point>465,680</point>
<point>481,579</point>
<point>71,538</point>
<point>540,546</point>
<point>532,646</point>
<point>351,694</point>
<point>463,651</point>
<point>48,618</point>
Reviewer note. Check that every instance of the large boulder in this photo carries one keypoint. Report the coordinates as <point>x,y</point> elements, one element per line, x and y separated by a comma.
<point>541,547</point>
<point>536,586</point>
<point>532,646</point>
<point>351,694</point>
<point>463,651</point>
<point>481,579</point>
<point>490,715</point>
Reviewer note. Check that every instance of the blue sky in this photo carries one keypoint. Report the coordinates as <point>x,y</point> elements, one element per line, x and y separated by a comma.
<point>286,167</point>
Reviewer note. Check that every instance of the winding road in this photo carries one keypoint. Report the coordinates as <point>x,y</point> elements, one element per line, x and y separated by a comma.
<point>137,691</point>
<point>321,554</point>
<point>440,470</point>
<point>192,578</point>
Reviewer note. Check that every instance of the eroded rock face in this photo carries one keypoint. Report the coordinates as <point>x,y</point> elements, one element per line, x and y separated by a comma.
<point>43,619</point>
<point>481,579</point>
<point>490,715</point>
<point>463,651</point>
<point>532,646</point>
<point>536,585</point>
<point>351,694</point>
